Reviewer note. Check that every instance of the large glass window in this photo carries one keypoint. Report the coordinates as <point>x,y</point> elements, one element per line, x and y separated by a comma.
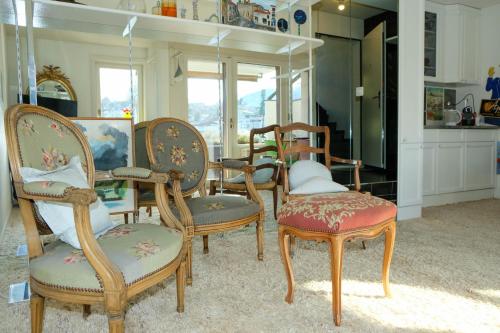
<point>257,95</point>
<point>114,91</point>
<point>204,85</point>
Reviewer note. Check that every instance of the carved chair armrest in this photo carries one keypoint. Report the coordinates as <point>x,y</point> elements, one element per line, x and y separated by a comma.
<point>234,159</point>
<point>248,170</point>
<point>176,175</point>
<point>80,198</point>
<point>55,191</point>
<point>142,175</point>
<point>357,164</point>
<point>345,161</point>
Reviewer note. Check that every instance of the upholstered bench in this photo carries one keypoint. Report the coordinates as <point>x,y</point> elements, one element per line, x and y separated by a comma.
<point>335,218</point>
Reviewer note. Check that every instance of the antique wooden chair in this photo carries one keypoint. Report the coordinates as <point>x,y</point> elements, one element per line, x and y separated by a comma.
<point>238,186</point>
<point>177,147</point>
<point>145,191</point>
<point>331,217</point>
<point>109,270</point>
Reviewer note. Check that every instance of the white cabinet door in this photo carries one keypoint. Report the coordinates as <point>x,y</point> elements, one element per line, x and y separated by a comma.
<point>470,45</point>
<point>450,167</point>
<point>410,182</point>
<point>480,165</point>
<point>461,44</point>
<point>429,170</point>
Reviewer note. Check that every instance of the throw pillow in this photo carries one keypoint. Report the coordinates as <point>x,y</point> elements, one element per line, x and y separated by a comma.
<point>317,185</point>
<point>59,216</point>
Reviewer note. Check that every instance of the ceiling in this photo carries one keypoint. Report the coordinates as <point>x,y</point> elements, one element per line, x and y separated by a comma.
<point>470,3</point>
<point>360,9</point>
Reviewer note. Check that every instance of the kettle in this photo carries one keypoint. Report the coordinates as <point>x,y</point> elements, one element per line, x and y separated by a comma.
<point>452,117</point>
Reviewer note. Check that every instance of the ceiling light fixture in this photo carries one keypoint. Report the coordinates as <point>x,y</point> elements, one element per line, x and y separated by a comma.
<point>341,5</point>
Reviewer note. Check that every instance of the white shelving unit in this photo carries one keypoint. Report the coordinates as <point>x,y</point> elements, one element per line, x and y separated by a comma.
<point>90,19</point>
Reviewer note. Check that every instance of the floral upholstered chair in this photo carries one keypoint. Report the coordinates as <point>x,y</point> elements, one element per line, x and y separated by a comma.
<point>176,147</point>
<point>266,174</point>
<point>109,270</point>
<point>145,191</point>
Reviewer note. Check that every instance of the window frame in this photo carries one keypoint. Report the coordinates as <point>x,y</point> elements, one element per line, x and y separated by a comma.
<point>139,67</point>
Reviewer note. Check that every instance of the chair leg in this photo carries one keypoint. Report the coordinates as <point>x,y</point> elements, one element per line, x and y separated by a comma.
<point>37,305</point>
<point>116,322</point>
<point>336,251</point>
<point>292,246</point>
<point>283,240</point>
<point>363,244</point>
<point>390,236</point>
<point>86,311</point>
<point>205,244</point>
<point>126,218</point>
<point>189,263</point>
<point>181,282</point>
<point>275,202</point>
<point>212,189</point>
<point>149,210</point>
<point>260,239</point>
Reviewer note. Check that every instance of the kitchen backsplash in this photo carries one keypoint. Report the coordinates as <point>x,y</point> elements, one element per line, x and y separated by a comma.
<point>436,100</point>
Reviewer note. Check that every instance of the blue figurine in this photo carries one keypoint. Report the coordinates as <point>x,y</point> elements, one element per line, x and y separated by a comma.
<point>300,17</point>
<point>493,83</point>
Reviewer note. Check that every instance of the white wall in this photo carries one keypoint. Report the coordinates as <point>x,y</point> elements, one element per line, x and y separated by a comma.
<point>337,25</point>
<point>5,194</point>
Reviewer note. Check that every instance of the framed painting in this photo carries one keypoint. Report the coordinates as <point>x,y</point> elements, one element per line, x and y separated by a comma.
<point>112,143</point>
<point>490,107</point>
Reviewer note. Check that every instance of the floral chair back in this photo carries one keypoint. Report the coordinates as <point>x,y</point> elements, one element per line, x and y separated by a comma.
<point>44,143</point>
<point>176,145</point>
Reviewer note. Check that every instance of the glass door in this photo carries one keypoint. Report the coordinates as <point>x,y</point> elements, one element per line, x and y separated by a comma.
<point>257,99</point>
<point>206,92</point>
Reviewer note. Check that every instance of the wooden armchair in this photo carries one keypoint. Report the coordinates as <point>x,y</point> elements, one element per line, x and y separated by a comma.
<point>239,186</point>
<point>176,147</point>
<point>109,270</point>
<point>145,191</point>
<point>282,132</point>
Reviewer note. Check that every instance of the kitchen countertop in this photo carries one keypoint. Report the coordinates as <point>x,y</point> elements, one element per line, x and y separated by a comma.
<point>461,127</point>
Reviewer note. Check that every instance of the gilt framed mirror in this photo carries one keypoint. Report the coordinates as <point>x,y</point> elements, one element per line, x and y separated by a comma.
<point>51,82</point>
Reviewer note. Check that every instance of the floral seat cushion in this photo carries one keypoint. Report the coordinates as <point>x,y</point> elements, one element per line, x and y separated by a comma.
<point>215,209</point>
<point>336,212</point>
<point>136,249</point>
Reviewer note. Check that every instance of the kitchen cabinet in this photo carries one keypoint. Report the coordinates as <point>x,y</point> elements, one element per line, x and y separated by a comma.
<point>459,165</point>
<point>455,37</point>
<point>429,171</point>
<point>410,191</point>
<point>480,165</point>
<point>433,42</point>
<point>450,167</point>
<point>461,45</point>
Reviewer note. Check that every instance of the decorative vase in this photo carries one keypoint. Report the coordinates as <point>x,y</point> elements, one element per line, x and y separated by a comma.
<point>138,6</point>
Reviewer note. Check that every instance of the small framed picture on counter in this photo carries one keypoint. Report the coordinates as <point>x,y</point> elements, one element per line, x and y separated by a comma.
<point>490,108</point>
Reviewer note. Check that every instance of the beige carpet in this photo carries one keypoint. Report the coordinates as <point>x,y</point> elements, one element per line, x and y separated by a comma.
<point>445,278</point>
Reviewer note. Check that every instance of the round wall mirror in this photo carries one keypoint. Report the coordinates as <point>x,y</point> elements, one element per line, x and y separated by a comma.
<point>52,82</point>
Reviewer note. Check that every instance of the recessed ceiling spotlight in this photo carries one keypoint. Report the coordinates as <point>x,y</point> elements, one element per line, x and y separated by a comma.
<point>341,5</point>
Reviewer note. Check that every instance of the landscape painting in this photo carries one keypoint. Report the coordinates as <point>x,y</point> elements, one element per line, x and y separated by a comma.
<point>111,142</point>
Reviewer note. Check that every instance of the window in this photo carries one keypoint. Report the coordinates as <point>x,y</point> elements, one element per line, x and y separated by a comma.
<point>204,82</point>
<point>114,91</point>
<point>257,98</point>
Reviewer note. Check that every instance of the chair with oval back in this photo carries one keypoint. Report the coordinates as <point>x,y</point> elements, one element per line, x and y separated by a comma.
<point>237,184</point>
<point>109,270</point>
<point>177,147</point>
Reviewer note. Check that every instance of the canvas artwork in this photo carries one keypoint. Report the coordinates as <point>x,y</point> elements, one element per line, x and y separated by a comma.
<point>111,142</point>
<point>258,14</point>
<point>434,101</point>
